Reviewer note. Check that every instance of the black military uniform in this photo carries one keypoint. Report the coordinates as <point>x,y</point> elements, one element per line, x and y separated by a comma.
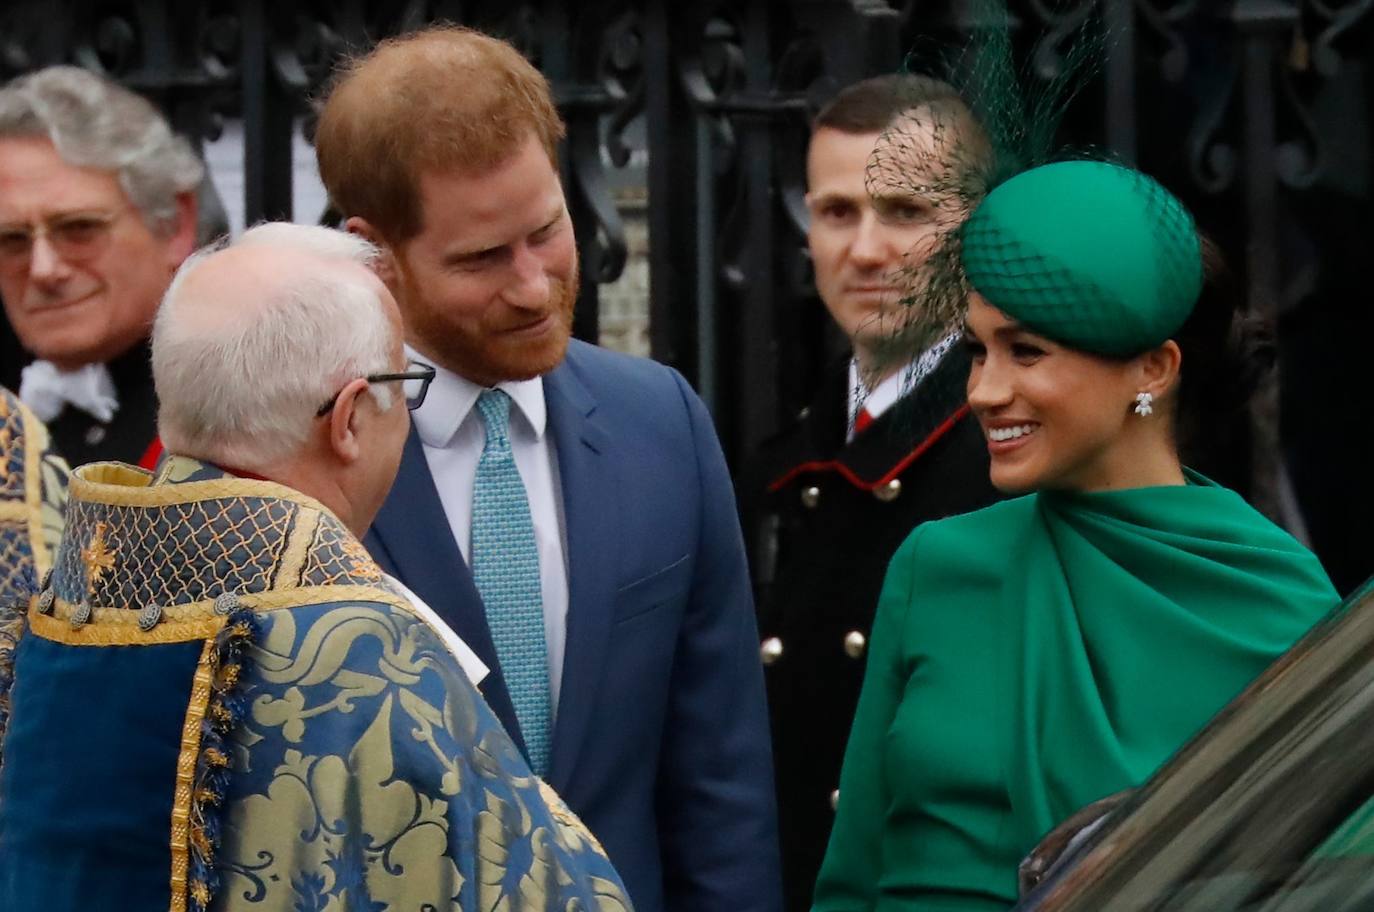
<point>823,518</point>
<point>81,438</point>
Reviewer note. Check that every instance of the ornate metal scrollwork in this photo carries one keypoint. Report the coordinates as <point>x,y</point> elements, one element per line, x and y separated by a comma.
<point>218,47</point>
<point>21,40</point>
<point>605,95</point>
<point>112,46</point>
<point>1060,21</point>
<point>1163,21</point>
<point>620,71</point>
<point>711,71</point>
<point>1335,21</point>
<point>723,90</point>
<point>1299,159</point>
<point>1213,161</point>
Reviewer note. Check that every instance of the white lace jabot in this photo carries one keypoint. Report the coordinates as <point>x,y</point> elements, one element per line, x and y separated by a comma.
<point>48,390</point>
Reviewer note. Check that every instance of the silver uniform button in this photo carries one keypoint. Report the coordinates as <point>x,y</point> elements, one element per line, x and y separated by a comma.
<point>835,800</point>
<point>810,497</point>
<point>226,603</point>
<point>82,615</point>
<point>888,492</point>
<point>770,650</point>
<point>854,643</point>
<point>45,600</point>
<point>149,616</point>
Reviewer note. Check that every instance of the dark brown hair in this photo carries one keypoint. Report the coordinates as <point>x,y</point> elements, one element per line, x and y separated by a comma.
<point>1227,354</point>
<point>871,105</point>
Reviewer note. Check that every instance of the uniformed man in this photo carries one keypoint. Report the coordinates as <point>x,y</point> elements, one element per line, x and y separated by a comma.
<point>98,207</point>
<point>882,448</point>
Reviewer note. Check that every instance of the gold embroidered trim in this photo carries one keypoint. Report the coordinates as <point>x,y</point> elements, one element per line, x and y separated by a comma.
<point>60,630</point>
<point>316,595</point>
<point>180,623</point>
<point>121,485</point>
<point>35,441</point>
<point>14,511</point>
<point>297,550</point>
<point>191,611</point>
<point>186,769</point>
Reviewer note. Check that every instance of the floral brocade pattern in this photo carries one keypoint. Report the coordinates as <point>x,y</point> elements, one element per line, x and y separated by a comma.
<point>33,492</point>
<point>11,629</point>
<point>333,754</point>
<point>373,776</point>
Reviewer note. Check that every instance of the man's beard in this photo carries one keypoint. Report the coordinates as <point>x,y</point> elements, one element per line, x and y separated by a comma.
<point>488,357</point>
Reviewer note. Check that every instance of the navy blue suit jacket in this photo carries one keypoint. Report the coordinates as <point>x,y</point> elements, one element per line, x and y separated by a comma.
<point>661,739</point>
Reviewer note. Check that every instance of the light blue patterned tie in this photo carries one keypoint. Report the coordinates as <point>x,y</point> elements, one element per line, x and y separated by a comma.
<point>505,567</point>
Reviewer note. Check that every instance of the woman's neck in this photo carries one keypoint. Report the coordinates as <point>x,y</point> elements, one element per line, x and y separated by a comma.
<point>1144,456</point>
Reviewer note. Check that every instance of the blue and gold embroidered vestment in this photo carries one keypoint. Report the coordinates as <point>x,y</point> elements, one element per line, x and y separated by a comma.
<point>218,703</point>
<point>33,488</point>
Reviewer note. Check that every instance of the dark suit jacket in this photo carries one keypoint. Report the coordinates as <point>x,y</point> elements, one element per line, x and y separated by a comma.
<point>824,517</point>
<point>661,738</point>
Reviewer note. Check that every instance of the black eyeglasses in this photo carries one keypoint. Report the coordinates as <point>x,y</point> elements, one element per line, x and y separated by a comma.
<point>416,379</point>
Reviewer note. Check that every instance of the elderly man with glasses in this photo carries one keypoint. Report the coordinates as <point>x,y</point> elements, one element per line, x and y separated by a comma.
<point>219,700</point>
<point>98,208</point>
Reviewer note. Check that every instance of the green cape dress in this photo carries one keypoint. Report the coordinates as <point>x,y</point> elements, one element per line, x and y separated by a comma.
<point>1034,656</point>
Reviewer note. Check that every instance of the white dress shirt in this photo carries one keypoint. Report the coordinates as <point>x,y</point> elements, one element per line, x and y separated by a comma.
<point>453,435</point>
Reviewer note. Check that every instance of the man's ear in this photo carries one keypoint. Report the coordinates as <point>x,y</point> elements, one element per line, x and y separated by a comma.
<point>344,422</point>
<point>386,266</point>
<point>1159,369</point>
<point>182,239</point>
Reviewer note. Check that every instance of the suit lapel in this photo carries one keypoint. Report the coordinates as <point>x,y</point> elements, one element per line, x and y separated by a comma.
<point>589,515</point>
<point>415,533</point>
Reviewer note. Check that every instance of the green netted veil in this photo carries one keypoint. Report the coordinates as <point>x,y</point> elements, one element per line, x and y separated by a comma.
<point>1089,253</point>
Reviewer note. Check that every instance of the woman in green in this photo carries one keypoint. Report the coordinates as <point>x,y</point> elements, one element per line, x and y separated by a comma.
<point>1040,654</point>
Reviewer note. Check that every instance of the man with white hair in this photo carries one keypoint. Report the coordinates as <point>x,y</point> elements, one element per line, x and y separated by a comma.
<point>97,210</point>
<point>274,726</point>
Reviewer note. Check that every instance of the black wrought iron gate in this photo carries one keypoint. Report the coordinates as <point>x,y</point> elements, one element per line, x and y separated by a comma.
<point>1257,112</point>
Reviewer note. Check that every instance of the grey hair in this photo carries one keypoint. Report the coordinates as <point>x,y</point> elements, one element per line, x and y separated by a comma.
<point>242,389</point>
<point>95,123</point>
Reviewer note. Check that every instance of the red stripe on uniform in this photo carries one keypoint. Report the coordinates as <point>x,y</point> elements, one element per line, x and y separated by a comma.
<point>834,465</point>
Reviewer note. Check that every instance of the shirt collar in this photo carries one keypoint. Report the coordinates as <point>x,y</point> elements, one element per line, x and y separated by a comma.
<point>877,400</point>
<point>451,398</point>
<point>897,384</point>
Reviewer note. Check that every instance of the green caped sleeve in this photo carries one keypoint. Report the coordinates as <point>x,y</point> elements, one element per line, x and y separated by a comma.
<point>848,880</point>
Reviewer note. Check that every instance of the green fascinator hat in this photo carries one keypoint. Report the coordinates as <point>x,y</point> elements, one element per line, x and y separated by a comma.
<point>1093,255</point>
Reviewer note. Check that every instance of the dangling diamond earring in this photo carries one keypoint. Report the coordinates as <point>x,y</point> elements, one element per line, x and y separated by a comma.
<point>1144,404</point>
